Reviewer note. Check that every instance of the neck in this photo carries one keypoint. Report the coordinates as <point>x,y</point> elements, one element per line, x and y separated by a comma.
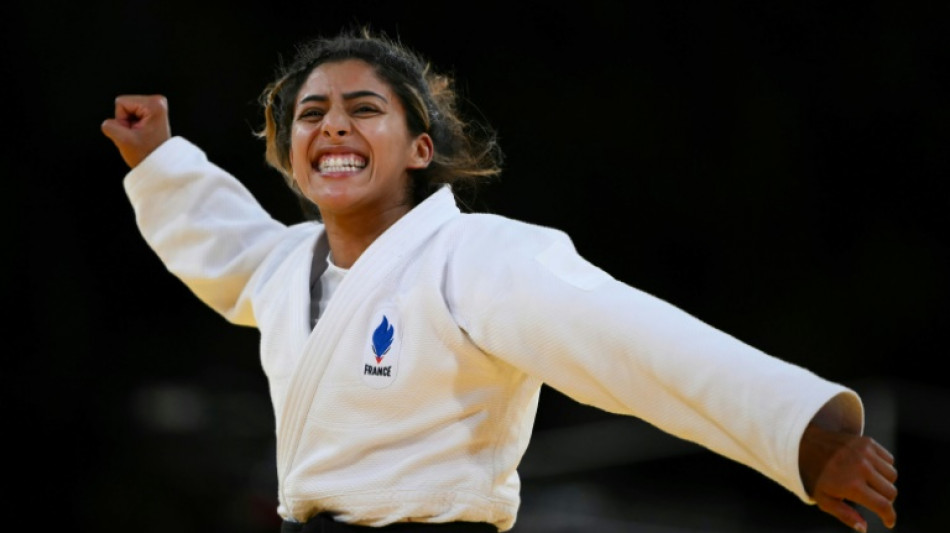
<point>349,237</point>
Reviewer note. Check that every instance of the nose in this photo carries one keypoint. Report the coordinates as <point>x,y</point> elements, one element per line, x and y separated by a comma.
<point>336,124</point>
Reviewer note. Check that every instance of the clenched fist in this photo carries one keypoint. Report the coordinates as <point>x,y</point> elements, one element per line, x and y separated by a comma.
<point>139,127</point>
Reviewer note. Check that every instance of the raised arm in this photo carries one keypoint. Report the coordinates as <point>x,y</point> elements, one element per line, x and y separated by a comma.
<point>202,222</point>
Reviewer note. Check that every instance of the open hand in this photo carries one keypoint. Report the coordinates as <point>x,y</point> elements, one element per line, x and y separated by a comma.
<point>840,469</point>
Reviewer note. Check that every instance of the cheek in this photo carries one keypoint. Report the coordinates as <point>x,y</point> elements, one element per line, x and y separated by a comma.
<point>299,158</point>
<point>391,147</point>
<point>297,140</point>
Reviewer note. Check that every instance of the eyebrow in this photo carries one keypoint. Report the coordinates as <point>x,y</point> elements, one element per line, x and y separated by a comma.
<point>346,96</point>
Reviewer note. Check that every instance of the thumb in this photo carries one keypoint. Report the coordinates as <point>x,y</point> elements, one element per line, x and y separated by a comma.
<point>124,139</point>
<point>840,509</point>
<point>115,131</point>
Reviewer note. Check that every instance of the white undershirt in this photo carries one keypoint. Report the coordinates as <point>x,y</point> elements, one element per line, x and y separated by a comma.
<point>329,281</point>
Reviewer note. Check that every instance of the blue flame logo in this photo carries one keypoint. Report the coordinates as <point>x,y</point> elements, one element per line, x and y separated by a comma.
<point>382,339</point>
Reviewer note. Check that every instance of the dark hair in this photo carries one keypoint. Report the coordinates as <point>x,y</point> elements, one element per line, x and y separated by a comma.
<point>465,150</point>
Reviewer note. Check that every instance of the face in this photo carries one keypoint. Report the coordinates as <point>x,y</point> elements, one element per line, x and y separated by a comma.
<point>351,150</point>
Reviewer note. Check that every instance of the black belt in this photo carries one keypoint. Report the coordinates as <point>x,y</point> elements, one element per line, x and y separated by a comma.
<point>324,523</point>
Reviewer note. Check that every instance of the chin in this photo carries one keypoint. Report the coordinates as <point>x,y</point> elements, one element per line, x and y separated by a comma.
<point>332,199</point>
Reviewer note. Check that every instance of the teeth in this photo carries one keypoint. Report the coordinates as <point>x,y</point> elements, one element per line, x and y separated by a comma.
<point>342,163</point>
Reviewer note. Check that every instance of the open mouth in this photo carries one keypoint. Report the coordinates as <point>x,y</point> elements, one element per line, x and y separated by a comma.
<point>340,163</point>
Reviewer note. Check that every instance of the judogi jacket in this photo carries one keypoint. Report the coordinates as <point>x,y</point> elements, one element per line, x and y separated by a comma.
<point>414,396</point>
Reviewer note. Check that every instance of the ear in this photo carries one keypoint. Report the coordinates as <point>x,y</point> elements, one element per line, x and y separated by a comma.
<point>422,152</point>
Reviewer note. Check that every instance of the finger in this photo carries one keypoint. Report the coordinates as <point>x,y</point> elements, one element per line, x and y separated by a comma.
<point>882,486</point>
<point>128,109</point>
<point>875,495</point>
<point>885,468</point>
<point>882,481</point>
<point>131,110</point>
<point>846,514</point>
<point>879,498</point>
<point>882,452</point>
<point>888,516</point>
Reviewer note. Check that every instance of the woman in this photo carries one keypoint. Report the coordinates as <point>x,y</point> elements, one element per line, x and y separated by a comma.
<point>406,342</point>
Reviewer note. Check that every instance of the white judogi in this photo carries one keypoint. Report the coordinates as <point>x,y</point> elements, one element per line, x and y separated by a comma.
<point>414,396</point>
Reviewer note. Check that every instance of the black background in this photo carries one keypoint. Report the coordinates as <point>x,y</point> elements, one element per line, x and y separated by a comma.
<point>776,168</point>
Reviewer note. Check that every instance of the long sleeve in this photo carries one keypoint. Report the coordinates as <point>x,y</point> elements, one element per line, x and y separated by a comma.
<point>541,307</point>
<point>205,226</point>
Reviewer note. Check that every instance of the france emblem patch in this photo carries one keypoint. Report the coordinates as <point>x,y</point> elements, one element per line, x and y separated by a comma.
<point>381,355</point>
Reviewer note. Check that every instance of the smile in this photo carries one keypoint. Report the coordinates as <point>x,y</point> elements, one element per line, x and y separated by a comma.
<point>341,163</point>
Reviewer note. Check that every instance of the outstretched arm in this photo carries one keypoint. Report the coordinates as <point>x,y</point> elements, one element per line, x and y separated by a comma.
<point>139,127</point>
<point>839,469</point>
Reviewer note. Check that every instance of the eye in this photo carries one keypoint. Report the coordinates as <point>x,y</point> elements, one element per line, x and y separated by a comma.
<point>365,109</point>
<point>311,113</point>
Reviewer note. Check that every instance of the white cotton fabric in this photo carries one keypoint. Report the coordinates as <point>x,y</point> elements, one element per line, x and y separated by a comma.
<point>481,310</point>
<point>329,281</point>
